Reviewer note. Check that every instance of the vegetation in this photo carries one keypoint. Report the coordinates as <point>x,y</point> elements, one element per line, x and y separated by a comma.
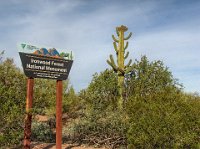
<point>42,132</point>
<point>13,98</point>
<point>157,112</point>
<point>12,95</point>
<point>121,69</point>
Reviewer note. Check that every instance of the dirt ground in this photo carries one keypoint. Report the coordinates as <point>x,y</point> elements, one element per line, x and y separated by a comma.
<point>64,146</point>
<point>36,145</point>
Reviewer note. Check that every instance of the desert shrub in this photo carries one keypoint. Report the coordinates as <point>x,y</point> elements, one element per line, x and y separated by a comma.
<point>102,128</point>
<point>12,99</point>
<point>42,132</point>
<point>102,91</point>
<point>101,123</point>
<point>167,120</point>
<point>157,114</point>
<point>71,103</point>
<point>45,97</point>
<point>150,77</point>
<point>160,114</point>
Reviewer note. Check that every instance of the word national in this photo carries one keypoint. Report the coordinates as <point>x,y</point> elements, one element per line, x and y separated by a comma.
<point>45,65</point>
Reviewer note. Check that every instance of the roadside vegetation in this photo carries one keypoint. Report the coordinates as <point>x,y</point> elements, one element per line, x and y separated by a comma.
<point>156,113</point>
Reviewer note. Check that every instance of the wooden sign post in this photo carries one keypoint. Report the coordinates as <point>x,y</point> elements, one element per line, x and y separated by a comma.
<point>28,118</point>
<point>46,64</point>
<point>59,88</point>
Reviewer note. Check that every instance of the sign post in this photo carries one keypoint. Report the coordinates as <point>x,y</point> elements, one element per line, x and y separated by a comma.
<point>38,62</point>
<point>59,114</point>
<point>29,103</point>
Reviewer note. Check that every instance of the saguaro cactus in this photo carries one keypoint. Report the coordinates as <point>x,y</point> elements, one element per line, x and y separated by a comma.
<point>121,69</point>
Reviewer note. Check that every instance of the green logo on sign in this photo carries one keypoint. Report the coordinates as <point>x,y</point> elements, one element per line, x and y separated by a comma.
<point>23,45</point>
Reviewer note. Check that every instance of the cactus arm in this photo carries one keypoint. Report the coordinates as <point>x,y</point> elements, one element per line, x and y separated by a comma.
<point>113,37</point>
<point>112,63</point>
<point>117,32</point>
<point>111,59</point>
<point>126,46</point>
<point>113,66</point>
<point>129,63</point>
<point>115,47</point>
<point>126,38</point>
<point>126,56</point>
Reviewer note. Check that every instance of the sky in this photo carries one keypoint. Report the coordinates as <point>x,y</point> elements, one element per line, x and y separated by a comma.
<point>167,30</point>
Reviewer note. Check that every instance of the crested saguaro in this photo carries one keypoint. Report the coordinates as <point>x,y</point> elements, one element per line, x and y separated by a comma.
<point>121,69</point>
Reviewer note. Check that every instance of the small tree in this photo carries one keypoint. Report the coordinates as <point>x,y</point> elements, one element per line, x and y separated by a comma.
<point>148,78</point>
<point>12,99</point>
<point>103,89</point>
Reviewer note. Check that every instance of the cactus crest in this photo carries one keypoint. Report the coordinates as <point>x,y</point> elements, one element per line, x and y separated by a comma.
<point>121,69</point>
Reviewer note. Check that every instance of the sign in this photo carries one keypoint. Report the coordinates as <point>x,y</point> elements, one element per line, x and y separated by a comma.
<point>48,63</point>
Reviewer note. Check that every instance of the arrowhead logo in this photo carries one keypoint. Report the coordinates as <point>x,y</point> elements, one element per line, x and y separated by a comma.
<point>23,45</point>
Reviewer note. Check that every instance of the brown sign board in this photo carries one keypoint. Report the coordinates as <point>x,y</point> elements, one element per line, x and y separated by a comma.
<point>39,66</point>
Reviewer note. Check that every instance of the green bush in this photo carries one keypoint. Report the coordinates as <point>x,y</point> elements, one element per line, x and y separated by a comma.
<point>71,102</point>
<point>102,128</point>
<point>102,90</point>
<point>150,78</point>
<point>101,123</point>
<point>156,114</point>
<point>164,121</point>
<point>42,132</point>
<point>161,115</point>
<point>12,99</point>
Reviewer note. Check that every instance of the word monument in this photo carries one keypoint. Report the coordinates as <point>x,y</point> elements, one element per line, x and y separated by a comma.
<point>46,63</point>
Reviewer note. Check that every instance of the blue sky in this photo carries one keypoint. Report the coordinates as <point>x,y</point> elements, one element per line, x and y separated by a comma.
<point>167,30</point>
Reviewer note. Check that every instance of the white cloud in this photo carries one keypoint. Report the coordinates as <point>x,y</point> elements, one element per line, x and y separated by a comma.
<point>87,28</point>
<point>178,48</point>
